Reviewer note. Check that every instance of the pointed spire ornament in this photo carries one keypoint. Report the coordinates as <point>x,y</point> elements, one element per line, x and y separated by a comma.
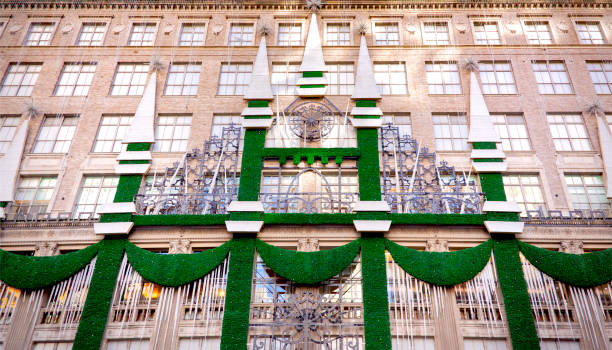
<point>142,127</point>
<point>312,83</point>
<point>10,163</point>
<point>605,143</point>
<point>482,128</point>
<point>258,114</point>
<point>365,82</point>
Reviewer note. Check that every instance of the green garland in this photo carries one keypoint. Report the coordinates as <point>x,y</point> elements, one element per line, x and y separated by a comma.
<point>580,270</point>
<point>441,268</point>
<point>308,267</point>
<point>235,330</point>
<point>368,169</point>
<point>514,290</point>
<point>97,305</point>
<point>437,219</point>
<point>493,186</point>
<point>36,272</point>
<point>375,297</point>
<point>252,159</point>
<point>180,220</point>
<point>309,219</point>
<point>127,188</point>
<point>173,270</point>
<point>310,154</point>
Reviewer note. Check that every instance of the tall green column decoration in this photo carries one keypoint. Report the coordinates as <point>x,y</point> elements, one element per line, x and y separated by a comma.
<point>99,297</point>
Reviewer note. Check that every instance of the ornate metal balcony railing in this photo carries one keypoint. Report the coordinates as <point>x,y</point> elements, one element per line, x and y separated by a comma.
<point>570,218</point>
<point>309,202</point>
<point>183,203</point>
<point>435,202</point>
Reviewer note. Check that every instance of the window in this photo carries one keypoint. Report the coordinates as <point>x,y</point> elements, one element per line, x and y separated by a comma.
<point>558,344</point>
<point>551,77</point>
<point>40,34</point>
<point>443,78</point>
<point>224,121</point>
<point>512,131</point>
<point>484,344</point>
<point>192,34</point>
<point>95,191</point>
<point>538,33</point>
<point>234,78</point>
<point>92,34</point>
<point>111,132</point>
<point>143,34</point>
<point>284,78</point>
<point>289,34</point>
<point>486,33</point>
<point>497,77</point>
<point>75,79</point>
<point>20,79</point>
<point>386,33</point>
<point>340,79</point>
<point>241,34</point>
<point>401,121</point>
<point>52,346</point>
<point>589,33</point>
<point>129,345</point>
<point>587,192</point>
<point>8,127</point>
<point>436,33</point>
<point>450,132</point>
<point>130,79</point>
<point>338,34</point>
<point>55,134</point>
<point>601,75</point>
<point>172,133</point>
<point>568,132</point>
<point>390,78</point>
<point>32,196</point>
<point>196,343</point>
<point>526,191</point>
<point>183,79</point>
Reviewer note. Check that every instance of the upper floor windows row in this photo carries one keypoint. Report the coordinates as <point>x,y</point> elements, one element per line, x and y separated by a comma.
<point>336,33</point>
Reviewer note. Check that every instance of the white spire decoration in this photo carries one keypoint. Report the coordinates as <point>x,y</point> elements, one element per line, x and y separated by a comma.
<point>365,83</point>
<point>605,142</point>
<point>259,87</point>
<point>481,124</point>
<point>10,162</point>
<point>313,53</point>
<point>141,129</point>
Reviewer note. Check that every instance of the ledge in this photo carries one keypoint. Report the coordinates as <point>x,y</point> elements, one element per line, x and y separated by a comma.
<point>243,226</point>
<point>372,206</point>
<point>311,81</point>
<point>117,208</point>
<point>366,123</point>
<point>366,111</point>
<point>311,92</point>
<point>487,154</point>
<point>135,155</point>
<point>131,169</point>
<point>113,228</point>
<point>257,111</point>
<point>500,206</point>
<point>490,167</point>
<point>508,227</point>
<point>248,206</point>
<point>372,225</point>
<point>257,123</point>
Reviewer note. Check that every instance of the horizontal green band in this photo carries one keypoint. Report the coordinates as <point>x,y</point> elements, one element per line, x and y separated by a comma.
<point>484,145</point>
<point>365,103</point>
<point>312,86</point>
<point>141,146</point>
<point>259,103</point>
<point>488,160</point>
<point>312,74</point>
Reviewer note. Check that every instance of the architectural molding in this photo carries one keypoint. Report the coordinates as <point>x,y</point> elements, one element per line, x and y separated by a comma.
<point>117,208</point>
<point>243,226</point>
<point>501,206</point>
<point>511,227</point>
<point>245,206</point>
<point>113,228</point>
<point>371,206</point>
<point>259,123</point>
<point>372,225</point>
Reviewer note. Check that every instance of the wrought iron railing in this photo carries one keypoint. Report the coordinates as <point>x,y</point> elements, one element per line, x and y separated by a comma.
<point>309,202</point>
<point>599,217</point>
<point>183,203</point>
<point>435,202</point>
<point>50,217</point>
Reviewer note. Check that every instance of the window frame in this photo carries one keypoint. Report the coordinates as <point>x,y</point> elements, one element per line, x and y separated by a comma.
<point>74,86</point>
<point>447,22</point>
<point>495,72</point>
<point>252,23</point>
<point>83,24</point>
<point>381,21</point>
<point>234,82</point>
<point>602,64</point>
<point>338,22</point>
<point>21,85</point>
<point>389,63</point>
<point>184,74</point>
<point>146,24</point>
<point>485,22</point>
<point>182,24</point>
<point>35,22</point>
<point>174,125</point>
<point>524,124</point>
<point>452,137</point>
<point>115,140</point>
<point>548,71</point>
<point>443,83</point>
<point>585,186</point>
<point>112,85</point>
<point>31,202</point>
<point>77,214</point>
<point>569,138</point>
<point>278,25</point>
<point>527,22</point>
<point>291,90</point>
<point>521,185</point>
<point>55,139</point>
<point>577,22</point>
<point>339,86</point>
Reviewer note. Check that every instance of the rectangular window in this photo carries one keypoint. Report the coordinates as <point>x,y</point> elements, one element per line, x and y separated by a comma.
<point>486,33</point>
<point>225,121</point>
<point>143,34</point>
<point>8,127</point>
<point>497,77</point>
<point>52,346</point>
<point>450,132</point>
<point>538,33</point>
<point>601,75</point>
<point>241,34</point>
<point>192,34</point>
<point>436,33</point>
<point>128,345</point>
<point>391,78</point>
<point>32,196</point>
<point>19,79</point>
<point>512,131</point>
<point>111,132</point>
<point>551,77</point>
<point>289,34</point>
<point>55,134</point>
<point>526,191</point>
<point>130,79</point>
<point>340,79</point>
<point>95,191</point>
<point>234,78</point>
<point>587,192</point>
<point>443,78</point>
<point>402,121</point>
<point>284,78</point>
<point>568,132</point>
<point>172,133</point>
<point>386,33</point>
<point>75,79</point>
<point>338,34</point>
<point>183,79</point>
<point>589,32</point>
<point>484,344</point>
<point>92,34</point>
<point>40,34</point>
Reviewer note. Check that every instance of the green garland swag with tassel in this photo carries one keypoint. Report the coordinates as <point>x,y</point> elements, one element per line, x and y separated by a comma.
<point>580,270</point>
<point>36,272</point>
<point>308,267</point>
<point>441,268</point>
<point>173,270</point>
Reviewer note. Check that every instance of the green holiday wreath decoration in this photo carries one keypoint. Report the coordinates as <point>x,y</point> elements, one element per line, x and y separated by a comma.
<point>580,270</point>
<point>308,267</point>
<point>441,268</point>
<point>173,270</point>
<point>36,272</point>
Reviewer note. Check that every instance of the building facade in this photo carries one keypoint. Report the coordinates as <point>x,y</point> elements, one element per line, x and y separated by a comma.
<point>295,175</point>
